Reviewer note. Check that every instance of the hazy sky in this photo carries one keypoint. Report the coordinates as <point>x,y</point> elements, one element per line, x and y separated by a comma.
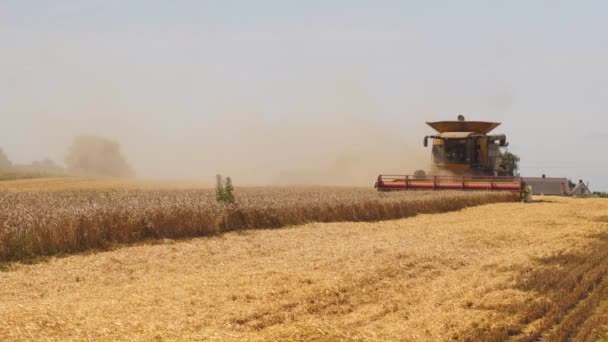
<point>267,89</point>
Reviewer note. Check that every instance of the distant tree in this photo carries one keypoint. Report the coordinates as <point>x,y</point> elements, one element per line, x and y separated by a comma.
<point>5,163</point>
<point>97,157</point>
<point>571,184</point>
<point>510,162</point>
<point>45,165</point>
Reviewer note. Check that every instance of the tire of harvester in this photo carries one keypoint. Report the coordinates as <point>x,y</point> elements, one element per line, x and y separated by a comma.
<point>419,174</point>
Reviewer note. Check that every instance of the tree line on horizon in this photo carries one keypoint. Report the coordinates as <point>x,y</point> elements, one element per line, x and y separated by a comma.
<point>88,156</point>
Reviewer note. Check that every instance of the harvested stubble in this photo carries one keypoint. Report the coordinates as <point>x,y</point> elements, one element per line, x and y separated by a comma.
<point>45,223</point>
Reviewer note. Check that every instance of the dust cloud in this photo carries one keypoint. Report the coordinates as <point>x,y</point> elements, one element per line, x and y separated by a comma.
<point>341,136</point>
<point>315,145</point>
<point>240,106</point>
<point>335,150</point>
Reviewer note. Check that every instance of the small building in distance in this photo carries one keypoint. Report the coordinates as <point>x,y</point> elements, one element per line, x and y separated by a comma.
<point>548,186</point>
<point>581,190</point>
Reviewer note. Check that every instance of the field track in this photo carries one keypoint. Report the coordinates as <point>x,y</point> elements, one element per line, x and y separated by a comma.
<point>495,272</point>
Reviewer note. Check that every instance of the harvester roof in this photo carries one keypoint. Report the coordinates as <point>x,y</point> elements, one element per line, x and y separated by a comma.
<point>480,127</point>
<point>456,135</point>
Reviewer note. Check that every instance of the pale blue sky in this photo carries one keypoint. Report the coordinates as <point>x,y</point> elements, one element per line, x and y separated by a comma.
<point>339,78</point>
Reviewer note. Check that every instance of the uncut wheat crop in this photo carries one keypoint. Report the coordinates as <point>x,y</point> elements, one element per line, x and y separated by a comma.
<point>40,223</point>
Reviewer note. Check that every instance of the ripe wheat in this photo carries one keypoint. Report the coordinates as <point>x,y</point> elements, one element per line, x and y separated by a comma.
<point>38,223</point>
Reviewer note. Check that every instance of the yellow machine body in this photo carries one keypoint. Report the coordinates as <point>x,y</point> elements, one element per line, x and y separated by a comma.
<point>465,148</point>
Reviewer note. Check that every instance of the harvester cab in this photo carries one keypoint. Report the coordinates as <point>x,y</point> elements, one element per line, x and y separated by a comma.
<point>465,148</point>
<point>464,157</point>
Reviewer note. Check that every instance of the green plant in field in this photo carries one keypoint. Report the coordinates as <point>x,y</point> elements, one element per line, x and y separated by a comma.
<point>224,190</point>
<point>224,196</point>
<point>228,191</point>
<point>219,188</point>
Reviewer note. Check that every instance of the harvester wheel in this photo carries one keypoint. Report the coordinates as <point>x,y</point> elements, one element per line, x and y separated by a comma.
<point>419,174</point>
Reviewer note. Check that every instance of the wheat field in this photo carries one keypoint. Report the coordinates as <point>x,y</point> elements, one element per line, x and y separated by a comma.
<point>53,216</point>
<point>505,271</point>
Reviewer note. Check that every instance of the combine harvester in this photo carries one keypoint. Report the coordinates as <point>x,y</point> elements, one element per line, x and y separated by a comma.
<point>465,157</point>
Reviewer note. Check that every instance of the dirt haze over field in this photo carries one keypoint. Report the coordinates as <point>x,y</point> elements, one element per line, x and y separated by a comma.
<point>328,139</point>
<point>338,149</point>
